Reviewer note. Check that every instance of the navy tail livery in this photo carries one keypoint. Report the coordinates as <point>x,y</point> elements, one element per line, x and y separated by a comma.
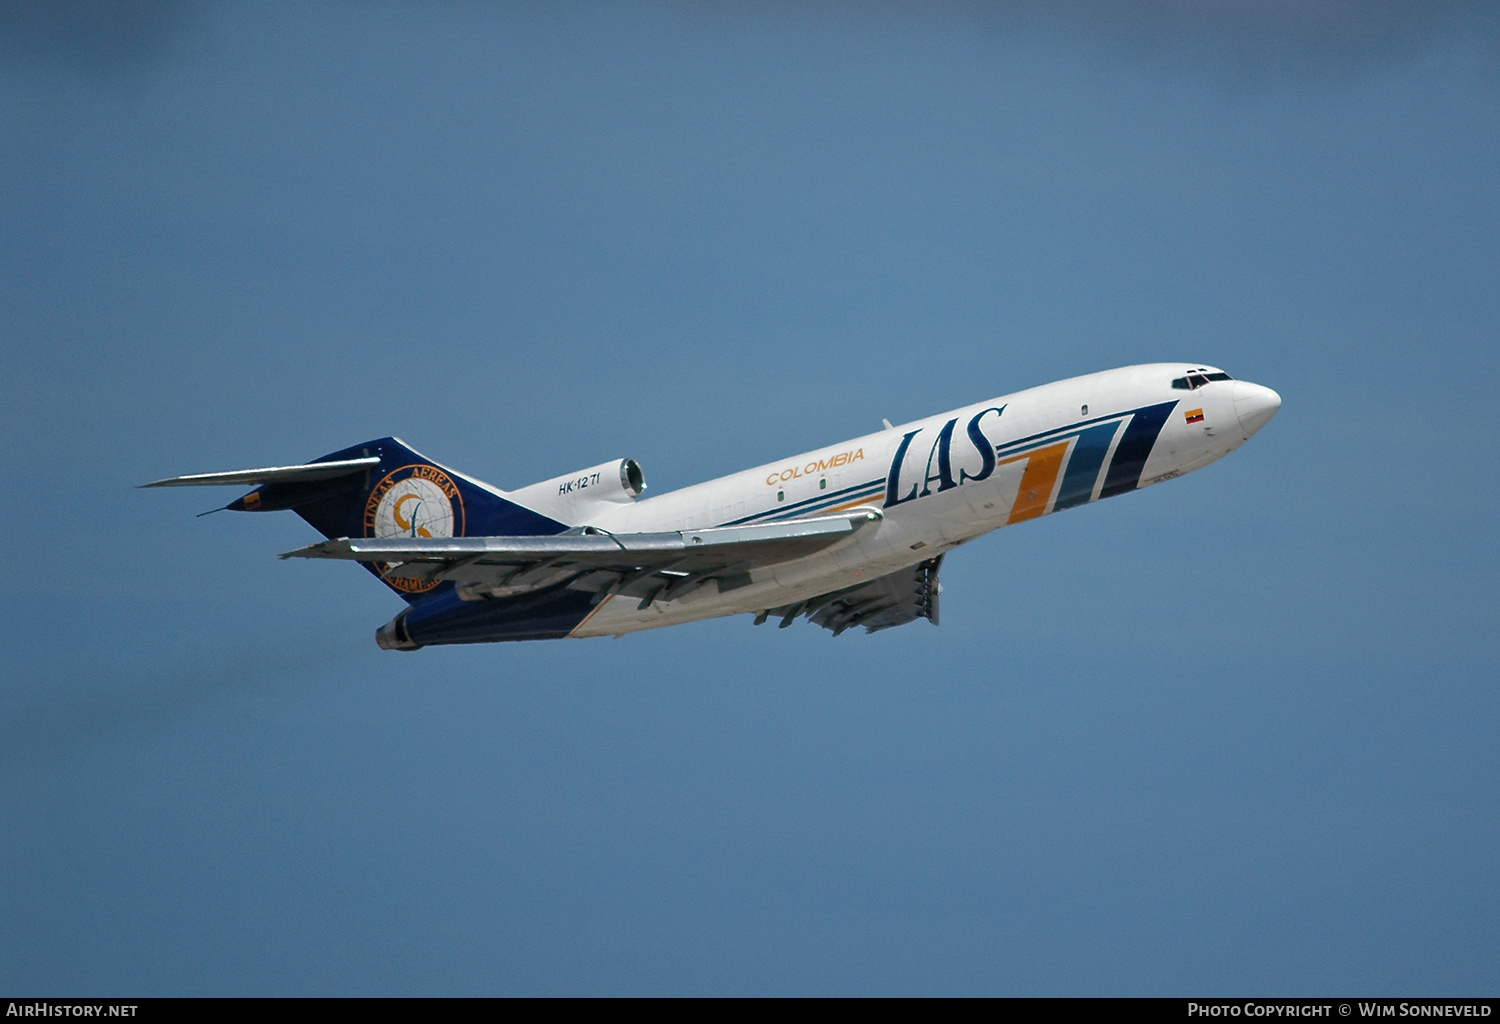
<point>849,535</point>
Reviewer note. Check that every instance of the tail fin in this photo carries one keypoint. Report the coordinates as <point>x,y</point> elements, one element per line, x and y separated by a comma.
<point>404,494</point>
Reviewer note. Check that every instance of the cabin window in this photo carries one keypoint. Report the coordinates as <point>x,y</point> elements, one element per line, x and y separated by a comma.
<point>781,495</point>
<point>823,484</point>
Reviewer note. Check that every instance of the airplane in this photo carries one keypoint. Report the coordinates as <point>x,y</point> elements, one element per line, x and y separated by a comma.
<point>848,535</point>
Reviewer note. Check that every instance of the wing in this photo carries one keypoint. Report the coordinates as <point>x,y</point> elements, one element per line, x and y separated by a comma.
<point>892,600</point>
<point>644,565</point>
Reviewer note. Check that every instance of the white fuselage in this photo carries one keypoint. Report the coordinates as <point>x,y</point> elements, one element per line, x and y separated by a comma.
<point>1050,448</point>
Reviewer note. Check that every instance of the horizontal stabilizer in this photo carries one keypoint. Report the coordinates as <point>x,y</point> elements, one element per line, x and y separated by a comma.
<point>273,474</point>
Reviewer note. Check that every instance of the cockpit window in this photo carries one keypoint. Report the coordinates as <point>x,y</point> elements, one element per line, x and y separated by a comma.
<point>1195,379</point>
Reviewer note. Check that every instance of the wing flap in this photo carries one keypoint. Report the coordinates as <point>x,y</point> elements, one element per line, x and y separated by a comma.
<point>893,600</point>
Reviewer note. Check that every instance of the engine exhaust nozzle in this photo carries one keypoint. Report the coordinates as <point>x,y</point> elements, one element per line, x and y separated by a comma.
<point>394,637</point>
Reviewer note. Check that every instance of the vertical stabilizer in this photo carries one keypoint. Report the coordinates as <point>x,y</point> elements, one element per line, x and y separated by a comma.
<point>404,494</point>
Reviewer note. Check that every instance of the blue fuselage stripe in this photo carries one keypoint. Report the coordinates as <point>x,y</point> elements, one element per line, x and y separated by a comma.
<point>875,488</point>
<point>1071,428</point>
<point>1134,448</point>
<point>1084,465</point>
<point>822,500</point>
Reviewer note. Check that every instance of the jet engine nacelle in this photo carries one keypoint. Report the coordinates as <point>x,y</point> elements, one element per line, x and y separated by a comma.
<point>573,497</point>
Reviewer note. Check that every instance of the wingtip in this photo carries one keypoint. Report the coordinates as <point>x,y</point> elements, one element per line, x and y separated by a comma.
<point>321,549</point>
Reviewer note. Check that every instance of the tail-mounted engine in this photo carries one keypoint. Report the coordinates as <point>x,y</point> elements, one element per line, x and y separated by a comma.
<point>574,498</point>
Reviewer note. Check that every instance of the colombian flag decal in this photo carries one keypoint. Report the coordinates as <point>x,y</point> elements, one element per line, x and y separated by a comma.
<point>1194,415</point>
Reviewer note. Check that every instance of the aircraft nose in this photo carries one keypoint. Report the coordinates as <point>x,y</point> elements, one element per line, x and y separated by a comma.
<point>1254,405</point>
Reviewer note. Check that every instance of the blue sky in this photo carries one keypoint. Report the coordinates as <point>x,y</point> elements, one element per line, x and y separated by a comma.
<point>1234,734</point>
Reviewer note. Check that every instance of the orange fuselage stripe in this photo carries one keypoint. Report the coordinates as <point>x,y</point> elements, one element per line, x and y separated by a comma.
<point>1037,481</point>
<point>875,496</point>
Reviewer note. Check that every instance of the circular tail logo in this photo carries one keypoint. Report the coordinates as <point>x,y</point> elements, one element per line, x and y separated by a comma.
<point>420,502</point>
